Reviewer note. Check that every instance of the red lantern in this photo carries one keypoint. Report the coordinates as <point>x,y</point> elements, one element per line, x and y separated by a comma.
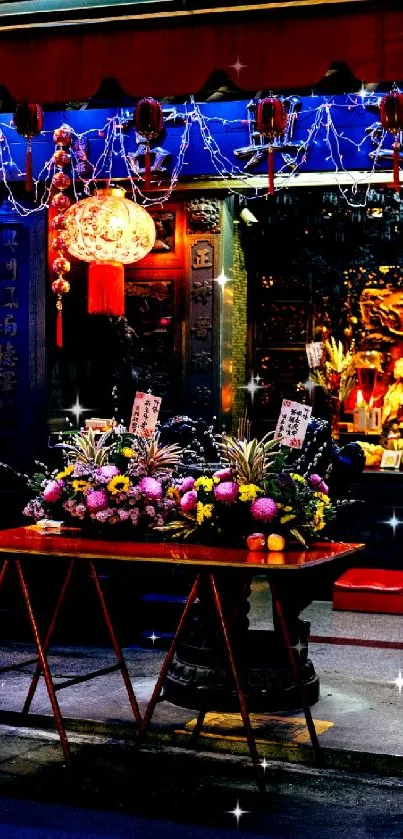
<point>28,121</point>
<point>148,122</point>
<point>391,108</point>
<point>271,120</point>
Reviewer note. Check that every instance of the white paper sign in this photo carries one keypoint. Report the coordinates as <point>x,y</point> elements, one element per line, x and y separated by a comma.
<point>146,408</point>
<point>292,423</point>
<point>314,354</point>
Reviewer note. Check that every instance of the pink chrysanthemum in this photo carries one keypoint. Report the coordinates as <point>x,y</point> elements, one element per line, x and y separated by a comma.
<point>223,474</point>
<point>264,509</point>
<point>228,491</point>
<point>97,499</point>
<point>53,491</point>
<point>318,484</point>
<point>187,484</point>
<point>188,501</point>
<point>151,488</point>
<point>105,473</point>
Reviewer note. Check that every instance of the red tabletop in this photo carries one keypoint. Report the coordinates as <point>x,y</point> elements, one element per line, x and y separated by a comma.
<point>30,541</point>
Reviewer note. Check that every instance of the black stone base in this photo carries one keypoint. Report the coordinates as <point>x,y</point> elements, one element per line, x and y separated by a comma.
<point>266,679</point>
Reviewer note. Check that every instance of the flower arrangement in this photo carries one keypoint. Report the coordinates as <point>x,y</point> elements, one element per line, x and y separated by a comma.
<point>114,480</point>
<point>337,374</point>
<point>253,490</point>
<point>124,481</point>
<point>336,377</point>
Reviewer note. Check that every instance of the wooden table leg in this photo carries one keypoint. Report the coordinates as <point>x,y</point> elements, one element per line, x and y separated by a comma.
<point>6,564</point>
<point>45,667</point>
<point>35,679</point>
<point>207,694</point>
<point>168,658</point>
<point>295,671</point>
<point>241,698</point>
<point>117,649</point>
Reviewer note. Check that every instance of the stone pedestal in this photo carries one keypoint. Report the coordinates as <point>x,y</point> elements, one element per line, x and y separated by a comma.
<point>198,674</point>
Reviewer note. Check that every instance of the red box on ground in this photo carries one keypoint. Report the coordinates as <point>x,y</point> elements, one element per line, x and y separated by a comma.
<point>369,590</point>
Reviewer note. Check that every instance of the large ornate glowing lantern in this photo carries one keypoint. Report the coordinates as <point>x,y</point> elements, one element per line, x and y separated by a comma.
<point>108,231</point>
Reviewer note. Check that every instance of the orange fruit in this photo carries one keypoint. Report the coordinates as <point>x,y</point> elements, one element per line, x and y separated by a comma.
<point>275,542</point>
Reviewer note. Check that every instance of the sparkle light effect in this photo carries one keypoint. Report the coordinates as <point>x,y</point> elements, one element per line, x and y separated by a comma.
<point>264,764</point>
<point>393,522</point>
<point>238,66</point>
<point>77,409</point>
<point>238,812</point>
<point>253,386</point>
<point>298,647</point>
<point>114,139</point>
<point>399,682</point>
<point>222,280</point>
<point>153,637</point>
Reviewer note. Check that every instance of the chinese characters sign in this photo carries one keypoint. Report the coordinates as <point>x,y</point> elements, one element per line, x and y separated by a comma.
<point>201,329</point>
<point>22,336</point>
<point>12,245</point>
<point>292,424</point>
<point>314,354</point>
<point>145,412</point>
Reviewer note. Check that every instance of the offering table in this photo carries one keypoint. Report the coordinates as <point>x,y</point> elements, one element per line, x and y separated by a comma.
<point>210,568</point>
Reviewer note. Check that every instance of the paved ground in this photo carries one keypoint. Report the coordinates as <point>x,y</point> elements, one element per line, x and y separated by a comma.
<point>192,794</point>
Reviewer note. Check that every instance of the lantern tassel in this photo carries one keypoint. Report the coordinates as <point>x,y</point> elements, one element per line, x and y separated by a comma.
<point>106,289</point>
<point>59,324</point>
<point>270,154</point>
<point>29,184</point>
<point>396,165</point>
<point>147,168</point>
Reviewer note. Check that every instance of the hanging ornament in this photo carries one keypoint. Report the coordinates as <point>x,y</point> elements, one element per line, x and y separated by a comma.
<point>148,122</point>
<point>391,109</point>
<point>108,231</point>
<point>61,181</point>
<point>60,202</point>
<point>62,136</point>
<point>271,120</point>
<point>60,286</point>
<point>61,158</point>
<point>28,121</point>
<point>58,205</point>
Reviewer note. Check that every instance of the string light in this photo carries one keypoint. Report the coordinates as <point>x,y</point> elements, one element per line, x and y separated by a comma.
<point>293,156</point>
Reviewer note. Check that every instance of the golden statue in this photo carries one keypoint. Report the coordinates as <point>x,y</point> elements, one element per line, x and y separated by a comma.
<point>393,399</point>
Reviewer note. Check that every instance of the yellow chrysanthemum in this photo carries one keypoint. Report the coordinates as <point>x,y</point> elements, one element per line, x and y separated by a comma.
<point>205,483</point>
<point>174,494</point>
<point>80,486</point>
<point>248,492</point>
<point>298,478</point>
<point>65,472</point>
<point>127,452</point>
<point>203,511</point>
<point>322,497</point>
<point>119,483</point>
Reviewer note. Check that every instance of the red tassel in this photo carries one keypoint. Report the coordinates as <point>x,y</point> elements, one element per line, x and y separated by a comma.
<point>270,153</point>
<point>59,328</point>
<point>29,184</point>
<point>147,169</point>
<point>396,165</point>
<point>106,289</point>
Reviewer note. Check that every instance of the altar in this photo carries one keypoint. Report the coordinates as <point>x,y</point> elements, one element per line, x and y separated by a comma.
<point>211,569</point>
